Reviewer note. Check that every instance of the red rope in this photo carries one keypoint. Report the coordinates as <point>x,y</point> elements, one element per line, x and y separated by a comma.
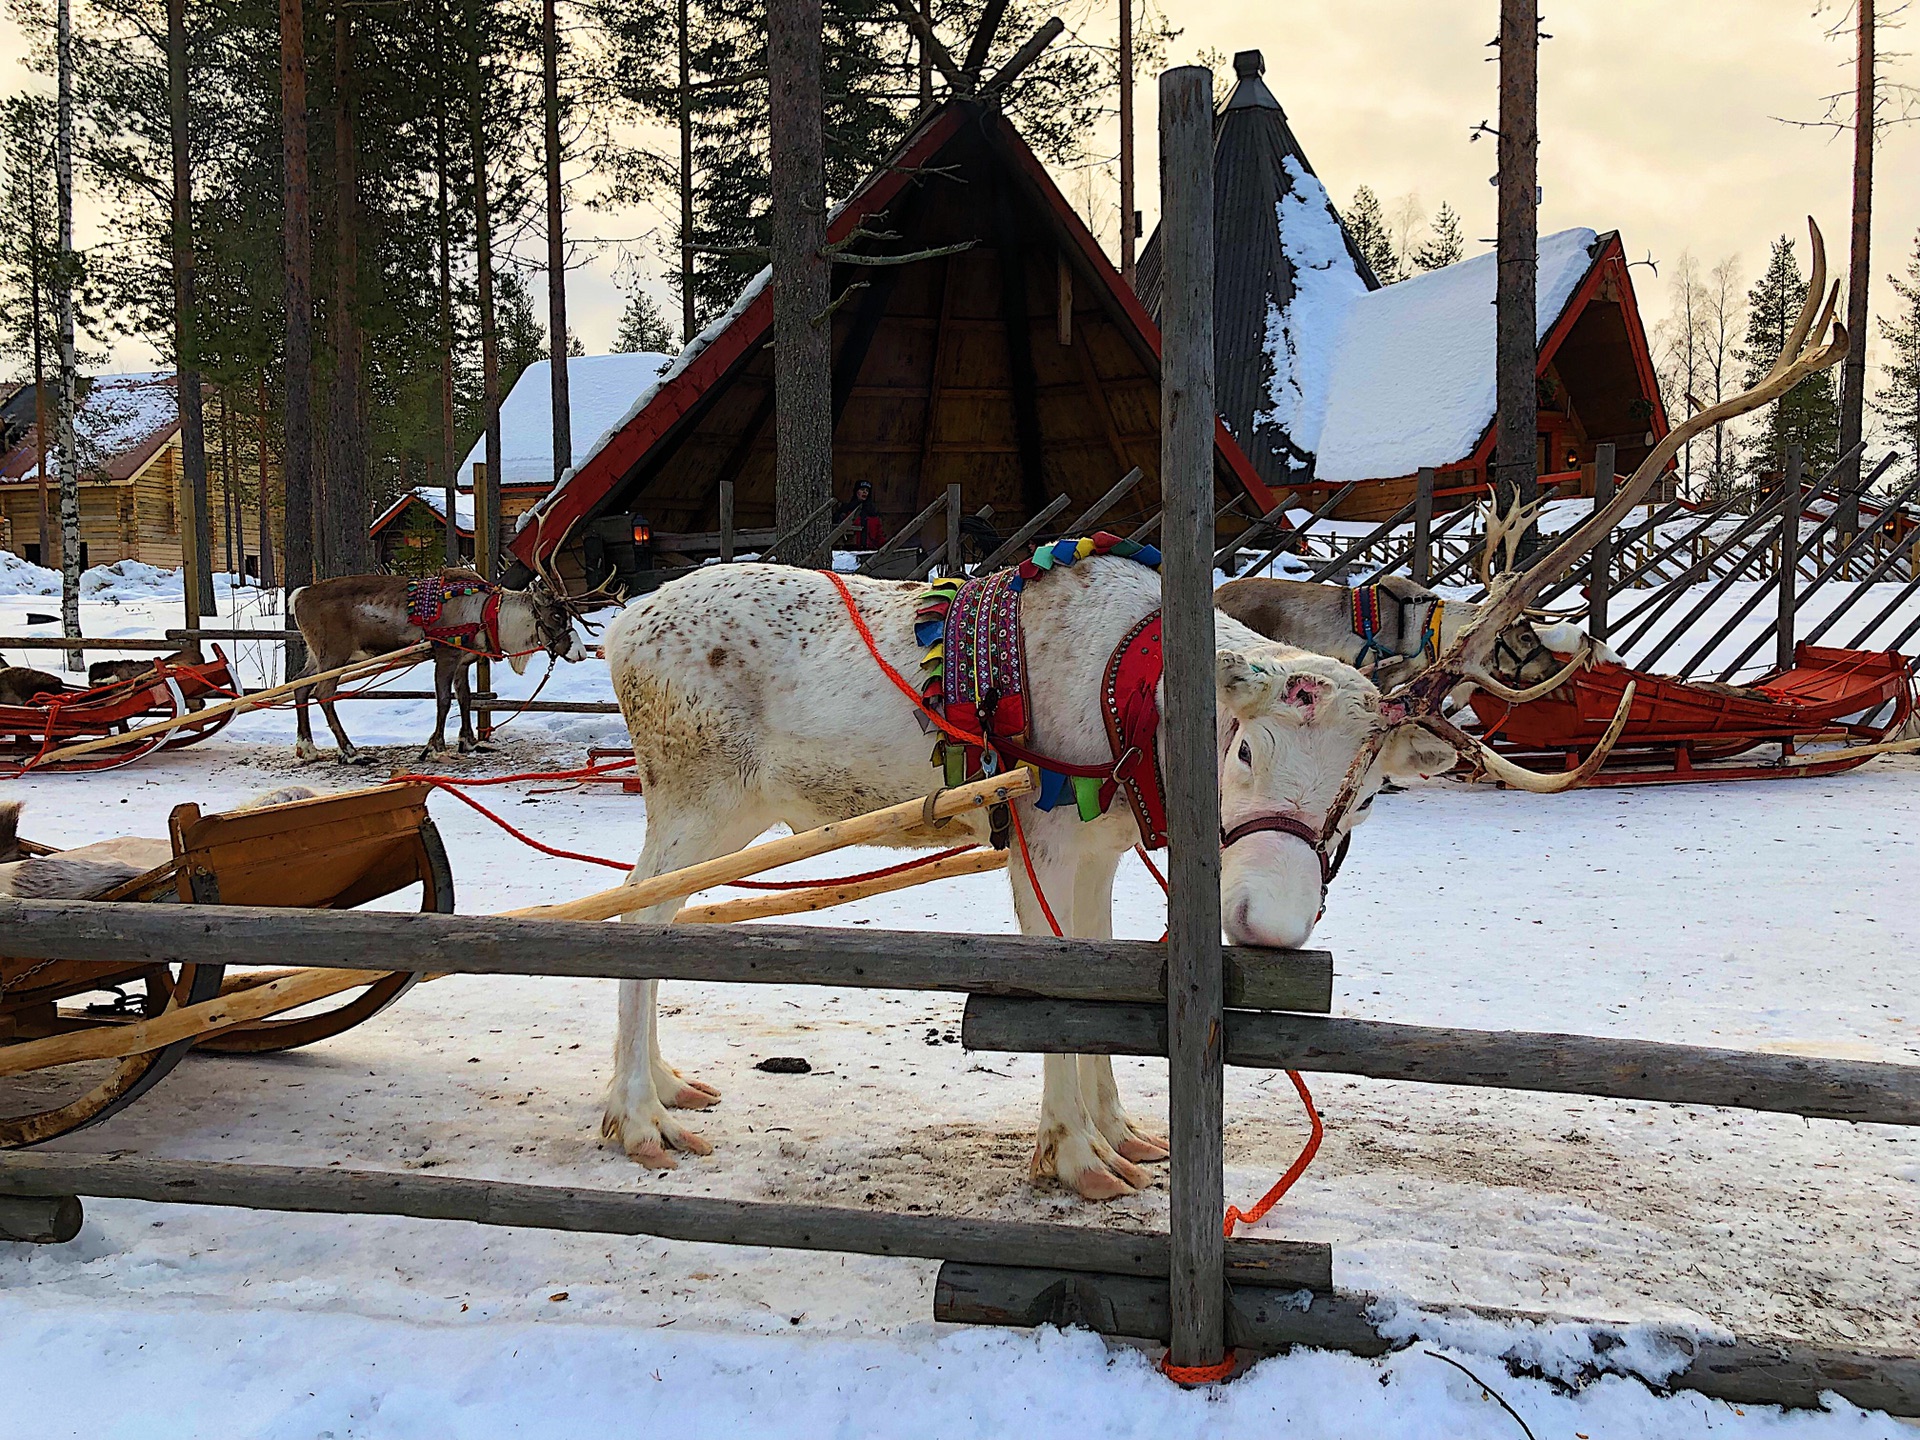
<point>451,786</point>
<point>1198,1374</point>
<point>900,681</point>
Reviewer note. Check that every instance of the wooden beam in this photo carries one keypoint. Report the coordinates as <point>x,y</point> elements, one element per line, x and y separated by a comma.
<point>701,1219</point>
<point>1097,401</point>
<point>1011,546</point>
<point>1600,563</point>
<point>1422,565</point>
<point>1018,62</point>
<point>981,45</point>
<point>1620,1069</point>
<point>1063,300</point>
<point>56,1219</point>
<point>1094,512</point>
<point>935,372</point>
<point>363,940</point>
<point>854,350</point>
<point>933,48</point>
<point>1261,1319</point>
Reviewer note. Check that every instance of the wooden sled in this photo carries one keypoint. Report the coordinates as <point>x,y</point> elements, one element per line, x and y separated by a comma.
<point>332,853</point>
<point>1679,732</point>
<point>79,714</point>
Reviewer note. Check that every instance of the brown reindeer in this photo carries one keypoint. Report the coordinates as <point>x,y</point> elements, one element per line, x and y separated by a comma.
<point>356,617</point>
<point>19,684</point>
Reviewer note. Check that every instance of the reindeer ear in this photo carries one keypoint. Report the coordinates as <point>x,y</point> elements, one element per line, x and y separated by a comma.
<point>1240,685</point>
<point>1413,750</point>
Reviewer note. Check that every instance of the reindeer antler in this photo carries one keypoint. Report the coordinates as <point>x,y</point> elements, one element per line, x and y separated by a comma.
<point>1419,701</point>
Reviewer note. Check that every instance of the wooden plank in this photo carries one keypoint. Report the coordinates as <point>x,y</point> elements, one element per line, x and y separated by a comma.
<point>1093,513</point>
<point>1789,558</point>
<point>333,1191</point>
<point>119,642</point>
<point>1621,1069</point>
<point>1194,974</point>
<point>1011,546</point>
<point>953,517</point>
<point>1261,1319</point>
<point>728,536</point>
<point>136,934</point>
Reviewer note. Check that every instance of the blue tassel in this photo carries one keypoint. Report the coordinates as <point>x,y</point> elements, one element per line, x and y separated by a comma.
<point>1066,551</point>
<point>1149,556</point>
<point>1052,783</point>
<point>928,631</point>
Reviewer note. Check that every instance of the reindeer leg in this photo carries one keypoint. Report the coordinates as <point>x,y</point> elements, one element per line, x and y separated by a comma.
<point>1069,1147</point>
<point>445,662</point>
<point>462,687</point>
<point>1093,917</point>
<point>636,1119</point>
<point>303,747</point>
<point>349,752</point>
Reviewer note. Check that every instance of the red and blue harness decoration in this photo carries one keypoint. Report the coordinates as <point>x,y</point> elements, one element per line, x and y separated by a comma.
<point>1365,602</point>
<point>975,673</point>
<point>427,599</point>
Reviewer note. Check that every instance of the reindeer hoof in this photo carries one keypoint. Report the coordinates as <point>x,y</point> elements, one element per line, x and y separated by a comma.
<point>650,1139</point>
<point>355,757</point>
<point>1142,1149</point>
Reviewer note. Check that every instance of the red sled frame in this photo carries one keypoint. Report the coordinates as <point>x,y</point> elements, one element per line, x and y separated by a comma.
<point>29,731</point>
<point>1678,732</point>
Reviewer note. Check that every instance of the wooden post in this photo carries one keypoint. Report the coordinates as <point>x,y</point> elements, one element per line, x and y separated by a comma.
<point>1194,988</point>
<point>1517,422</point>
<point>726,522</point>
<point>556,247</point>
<point>1783,635</point>
<point>1600,564</point>
<point>486,540</point>
<point>1853,369</point>
<point>954,565</point>
<point>1423,525</point>
<point>40,1219</point>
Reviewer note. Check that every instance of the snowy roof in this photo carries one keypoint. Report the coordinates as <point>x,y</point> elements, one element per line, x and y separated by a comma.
<point>121,422</point>
<point>435,499</point>
<point>1411,379</point>
<point>666,371</point>
<point>600,392</point>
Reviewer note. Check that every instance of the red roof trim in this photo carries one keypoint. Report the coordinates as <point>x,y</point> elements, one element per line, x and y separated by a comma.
<point>681,395</point>
<point>401,506</point>
<point>1611,259</point>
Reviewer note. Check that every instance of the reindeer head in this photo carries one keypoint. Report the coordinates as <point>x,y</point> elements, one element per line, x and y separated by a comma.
<point>1469,657</point>
<point>1290,722</point>
<point>537,619</point>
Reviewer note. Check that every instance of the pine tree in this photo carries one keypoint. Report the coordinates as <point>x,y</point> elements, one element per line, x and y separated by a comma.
<point>1898,402</point>
<point>1446,245</point>
<point>1807,415</point>
<point>1367,224</point>
<point>522,338</point>
<point>643,328</point>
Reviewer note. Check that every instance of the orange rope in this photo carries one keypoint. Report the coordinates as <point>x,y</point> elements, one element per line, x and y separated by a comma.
<point>1235,1215</point>
<point>900,681</point>
<point>1198,1374</point>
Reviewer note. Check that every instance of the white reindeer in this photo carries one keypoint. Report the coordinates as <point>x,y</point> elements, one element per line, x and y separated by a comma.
<point>752,700</point>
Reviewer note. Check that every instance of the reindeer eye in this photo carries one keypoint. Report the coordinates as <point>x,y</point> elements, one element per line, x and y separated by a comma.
<point>1246,753</point>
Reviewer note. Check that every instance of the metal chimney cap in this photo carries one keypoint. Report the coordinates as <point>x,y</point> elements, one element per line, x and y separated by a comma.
<point>1249,63</point>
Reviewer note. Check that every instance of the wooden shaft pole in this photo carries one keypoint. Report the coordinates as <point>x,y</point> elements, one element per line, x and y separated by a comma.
<point>1194,985</point>
<point>825,897</point>
<point>896,819</point>
<point>953,526</point>
<point>1600,564</point>
<point>726,522</point>
<point>360,669</point>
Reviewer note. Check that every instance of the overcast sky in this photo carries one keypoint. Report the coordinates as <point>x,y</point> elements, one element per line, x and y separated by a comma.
<point>1657,119</point>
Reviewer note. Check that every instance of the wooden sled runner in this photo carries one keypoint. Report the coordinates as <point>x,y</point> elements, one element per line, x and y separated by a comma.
<point>332,853</point>
<point>78,715</point>
<point>1847,701</point>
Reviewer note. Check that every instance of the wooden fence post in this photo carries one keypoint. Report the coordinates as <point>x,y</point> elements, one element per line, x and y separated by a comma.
<point>726,522</point>
<point>1194,988</point>
<point>1783,635</point>
<point>953,529</point>
<point>1423,526</point>
<point>1600,569</point>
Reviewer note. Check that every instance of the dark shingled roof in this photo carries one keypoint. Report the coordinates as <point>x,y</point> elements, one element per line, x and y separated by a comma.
<point>1251,273</point>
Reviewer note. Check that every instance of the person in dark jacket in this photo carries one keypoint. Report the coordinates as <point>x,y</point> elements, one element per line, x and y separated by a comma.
<point>865,534</point>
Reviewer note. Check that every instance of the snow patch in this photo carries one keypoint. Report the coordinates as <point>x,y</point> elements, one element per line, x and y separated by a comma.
<point>23,577</point>
<point>1302,339</point>
<point>600,389</point>
<point>1571,1352</point>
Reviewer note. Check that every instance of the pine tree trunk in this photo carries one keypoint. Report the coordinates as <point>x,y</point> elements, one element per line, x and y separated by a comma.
<point>1853,372</point>
<point>233,568</point>
<point>69,443</point>
<point>196,529</point>
<point>1516,463</point>
<point>556,247</point>
<point>39,280</point>
<point>802,330</point>
<point>685,99</point>
<point>448,478</point>
<point>265,499</point>
<point>486,498</point>
<point>297,466</point>
<point>1127,204</point>
<point>349,549</point>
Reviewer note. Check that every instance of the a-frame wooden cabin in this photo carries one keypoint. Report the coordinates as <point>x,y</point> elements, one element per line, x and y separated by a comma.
<point>1019,367</point>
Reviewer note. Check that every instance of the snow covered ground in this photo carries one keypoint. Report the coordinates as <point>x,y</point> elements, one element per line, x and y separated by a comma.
<point>1772,916</point>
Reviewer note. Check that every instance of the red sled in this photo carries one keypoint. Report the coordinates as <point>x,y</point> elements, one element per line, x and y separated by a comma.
<point>1679,731</point>
<point>76,713</point>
